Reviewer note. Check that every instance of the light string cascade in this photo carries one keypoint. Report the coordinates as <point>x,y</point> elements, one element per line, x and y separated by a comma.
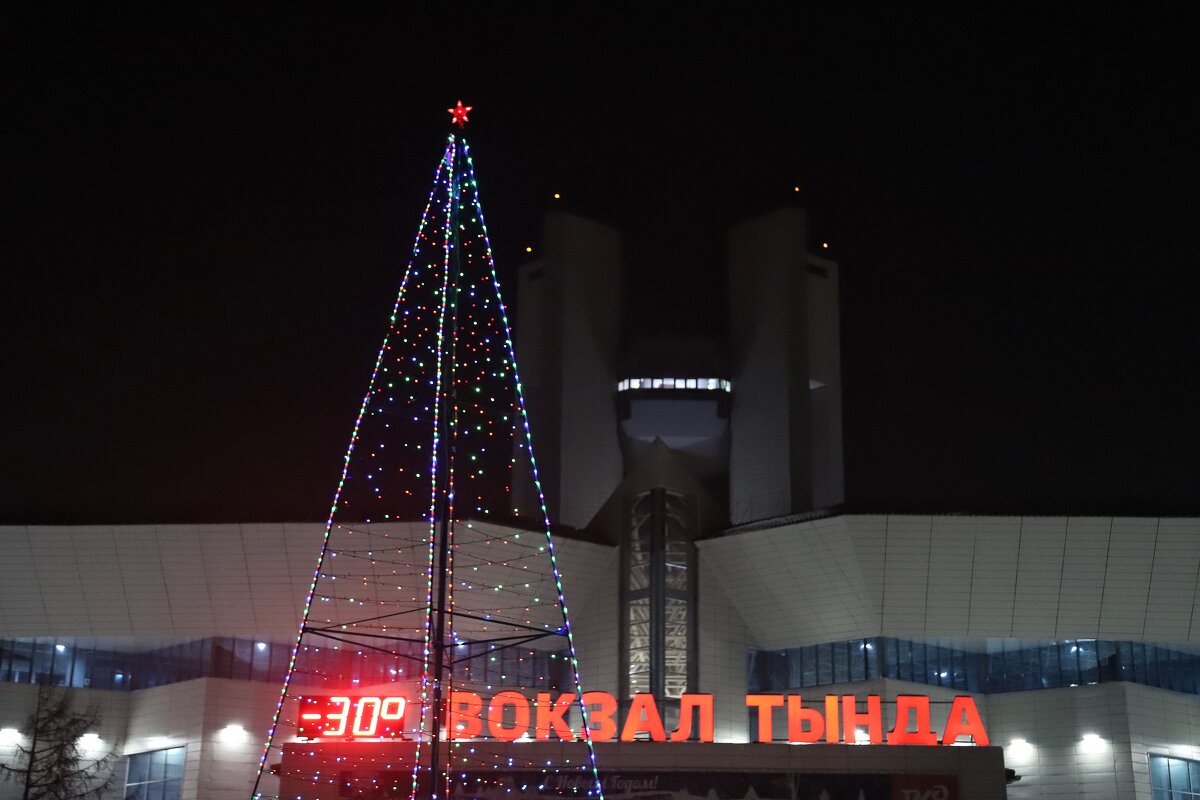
<point>337,492</point>
<point>428,580</point>
<point>427,677</point>
<point>562,601</point>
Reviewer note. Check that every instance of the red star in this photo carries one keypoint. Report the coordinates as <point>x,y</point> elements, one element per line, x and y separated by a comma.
<point>459,114</point>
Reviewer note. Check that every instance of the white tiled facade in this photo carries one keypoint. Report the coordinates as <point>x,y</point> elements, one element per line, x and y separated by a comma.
<point>770,586</point>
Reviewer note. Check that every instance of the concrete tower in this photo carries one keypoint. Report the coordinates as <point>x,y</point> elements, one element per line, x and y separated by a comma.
<point>786,444</point>
<point>567,339</point>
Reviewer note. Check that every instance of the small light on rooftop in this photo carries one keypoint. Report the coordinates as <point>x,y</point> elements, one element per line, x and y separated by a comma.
<point>528,249</point>
<point>557,196</point>
<point>824,245</point>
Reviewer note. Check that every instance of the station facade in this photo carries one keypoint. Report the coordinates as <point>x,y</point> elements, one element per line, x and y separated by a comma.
<point>711,563</point>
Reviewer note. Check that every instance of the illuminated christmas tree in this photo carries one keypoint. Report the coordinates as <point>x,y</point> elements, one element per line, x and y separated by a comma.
<point>435,630</point>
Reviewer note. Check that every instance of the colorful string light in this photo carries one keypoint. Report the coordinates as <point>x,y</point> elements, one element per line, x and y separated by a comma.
<point>444,415</point>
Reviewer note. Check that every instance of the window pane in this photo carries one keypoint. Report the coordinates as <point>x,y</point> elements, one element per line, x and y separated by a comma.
<point>139,767</point>
<point>795,668</point>
<point>858,659</point>
<point>1180,777</point>
<point>1107,660</point>
<point>1031,660</point>
<point>919,669</point>
<point>158,765</point>
<point>808,658</point>
<point>824,664</point>
<point>903,650</point>
<point>175,762</point>
<point>840,662</point>
<point>1089,669</point>
<point>639,646</point>
<point>1158,773</point>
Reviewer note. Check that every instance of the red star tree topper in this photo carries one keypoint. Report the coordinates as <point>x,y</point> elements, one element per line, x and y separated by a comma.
<point>458,114</point>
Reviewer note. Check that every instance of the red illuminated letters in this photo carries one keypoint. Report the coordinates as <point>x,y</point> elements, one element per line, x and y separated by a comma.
<point>919,706</point>
<point>703,706</point>
<point>797,716</point>
<point>872,720</point>
<point>765,703</point>
<point>552,716</point>
<point>964,721</point>
<point>465,708</point>
<point>520,707</point>
<point>509,715</point>
<point>603,719</point>
<point>643,718</point>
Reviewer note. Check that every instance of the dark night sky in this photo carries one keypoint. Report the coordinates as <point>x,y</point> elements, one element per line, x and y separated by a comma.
<point>210,212</point>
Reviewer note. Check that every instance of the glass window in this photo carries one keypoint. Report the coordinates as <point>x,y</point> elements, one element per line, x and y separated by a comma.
<point>841,659</point>
<point>858,659</point>
<point>871,649</point>
<point>1068,653</point>
<point>904,660</point>
<point>1152,676</point>
<point>808,665</point>
<point>1107,661</point>
<point>1089,668</point>
<point>1126,659</point>
<point>1174,778</point>
<point>824,663</point>
<point>157,774</point>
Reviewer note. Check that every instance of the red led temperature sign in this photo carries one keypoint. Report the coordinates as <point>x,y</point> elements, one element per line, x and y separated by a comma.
<point>346,717</point>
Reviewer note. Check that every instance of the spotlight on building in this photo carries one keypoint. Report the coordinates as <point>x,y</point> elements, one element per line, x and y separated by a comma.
<point>1020,749</point>
<point>232,733</point>
<point>1092,743</point>
<point>9,736</point>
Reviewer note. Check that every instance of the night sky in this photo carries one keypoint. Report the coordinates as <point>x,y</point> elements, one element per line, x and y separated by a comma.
<point>210,212</point>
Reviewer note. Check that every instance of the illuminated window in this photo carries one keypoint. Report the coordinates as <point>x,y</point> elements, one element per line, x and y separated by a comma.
<point>1174,778</point>
<point>709,384</point>
<point>658,596</point>
<point>157,774</point>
